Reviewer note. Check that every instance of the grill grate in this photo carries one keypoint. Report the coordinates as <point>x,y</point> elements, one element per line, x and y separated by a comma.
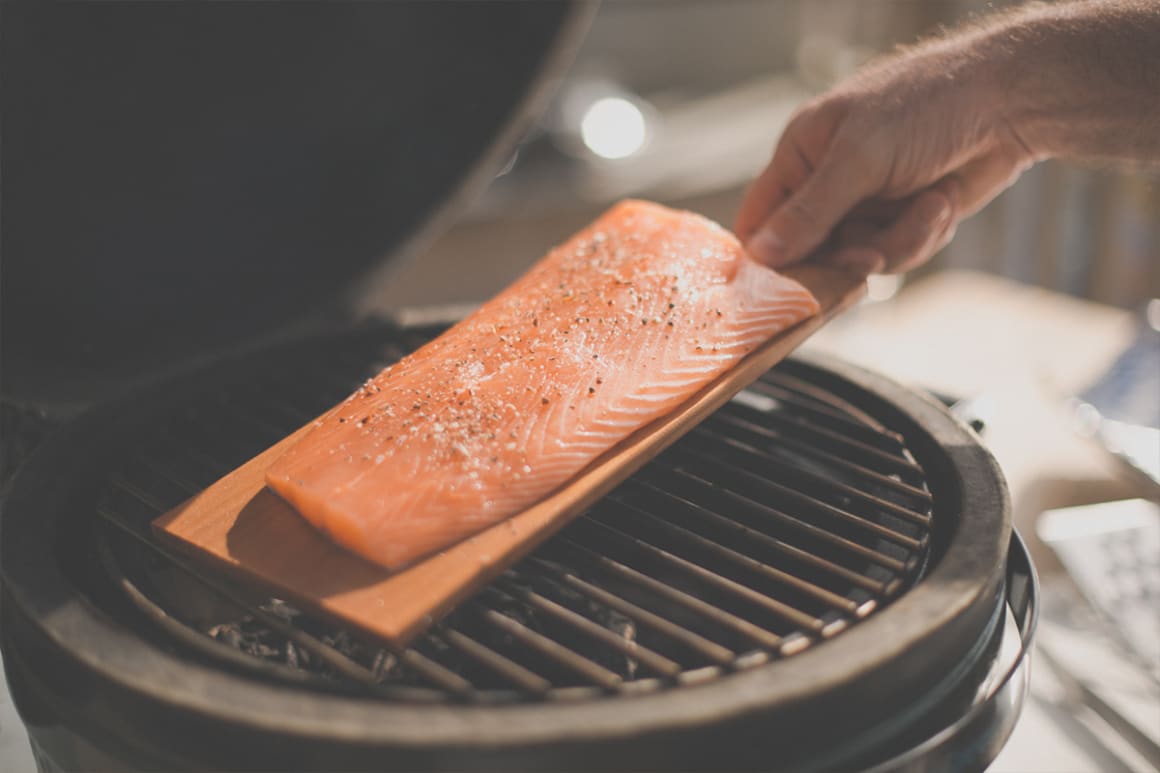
<point>780,521</point>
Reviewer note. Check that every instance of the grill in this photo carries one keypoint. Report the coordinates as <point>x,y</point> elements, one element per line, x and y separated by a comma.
<point>815,572</point>
<point>778,523</point>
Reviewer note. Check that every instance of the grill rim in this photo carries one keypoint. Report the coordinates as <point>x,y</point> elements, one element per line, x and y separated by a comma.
<point>938,609</point>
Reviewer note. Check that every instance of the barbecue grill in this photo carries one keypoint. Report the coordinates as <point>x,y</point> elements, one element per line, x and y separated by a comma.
<point>821,575</point>
<point>815,576</point>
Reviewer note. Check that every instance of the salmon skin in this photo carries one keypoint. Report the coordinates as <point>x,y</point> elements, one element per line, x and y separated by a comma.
<point>611,330</point>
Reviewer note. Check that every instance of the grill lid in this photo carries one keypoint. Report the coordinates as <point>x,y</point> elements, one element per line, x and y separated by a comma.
<point>179,177</point>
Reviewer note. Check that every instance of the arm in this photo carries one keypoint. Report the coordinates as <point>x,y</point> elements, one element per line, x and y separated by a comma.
<point>890,160</point>
<point>1089,85</point>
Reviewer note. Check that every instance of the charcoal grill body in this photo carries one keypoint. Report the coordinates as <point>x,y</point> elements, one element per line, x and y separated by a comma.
<point>96,680</point>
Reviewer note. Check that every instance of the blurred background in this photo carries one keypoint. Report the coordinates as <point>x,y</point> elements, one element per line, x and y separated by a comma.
<point>682,101</point>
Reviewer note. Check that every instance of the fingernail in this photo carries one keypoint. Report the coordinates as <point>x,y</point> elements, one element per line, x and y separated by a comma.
<point>767,247</point>
<point>937,212</point>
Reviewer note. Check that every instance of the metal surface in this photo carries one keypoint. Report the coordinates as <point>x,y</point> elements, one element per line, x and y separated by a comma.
<point>776,524</point>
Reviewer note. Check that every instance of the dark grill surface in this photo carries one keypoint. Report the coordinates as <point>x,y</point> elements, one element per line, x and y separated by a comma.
<point>783,519</point>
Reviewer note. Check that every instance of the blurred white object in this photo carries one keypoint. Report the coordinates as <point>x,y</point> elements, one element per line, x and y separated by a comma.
<point>692,146</point>
<point>1112,552</point>
<point>882,287</point>
<point>1152,314</point>
<point>1121,410</point>
<point>613,127</point>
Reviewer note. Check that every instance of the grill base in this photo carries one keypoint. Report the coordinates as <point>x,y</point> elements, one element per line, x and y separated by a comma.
<point>87,660</point>
<point>963,732</point>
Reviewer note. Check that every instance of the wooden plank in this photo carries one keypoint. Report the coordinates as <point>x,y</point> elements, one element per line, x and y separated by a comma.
<point>242,527</point>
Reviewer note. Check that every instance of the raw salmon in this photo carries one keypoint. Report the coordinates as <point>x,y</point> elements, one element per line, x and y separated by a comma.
<point>611,330</point>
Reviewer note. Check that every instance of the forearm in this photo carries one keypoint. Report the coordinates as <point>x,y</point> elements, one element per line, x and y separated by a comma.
<point>1081,79</point>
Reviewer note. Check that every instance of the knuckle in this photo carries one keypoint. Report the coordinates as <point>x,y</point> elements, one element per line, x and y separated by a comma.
<point>803,211</point>
<point>821,116</point>
<point>807,111</point>
<point>834,107</point>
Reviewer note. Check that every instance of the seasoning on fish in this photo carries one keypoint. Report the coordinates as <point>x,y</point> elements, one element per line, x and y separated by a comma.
<point>615,328</point>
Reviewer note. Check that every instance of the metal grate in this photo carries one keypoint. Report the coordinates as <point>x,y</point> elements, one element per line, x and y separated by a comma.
<point>780,521</point>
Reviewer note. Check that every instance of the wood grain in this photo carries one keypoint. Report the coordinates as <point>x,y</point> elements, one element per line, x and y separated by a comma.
<point>243,528</point>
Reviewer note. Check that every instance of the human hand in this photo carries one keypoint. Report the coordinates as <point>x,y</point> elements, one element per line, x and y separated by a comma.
<point>880,170</point>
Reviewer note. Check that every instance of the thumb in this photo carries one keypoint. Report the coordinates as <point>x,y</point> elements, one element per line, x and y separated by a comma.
<point>805,219</point>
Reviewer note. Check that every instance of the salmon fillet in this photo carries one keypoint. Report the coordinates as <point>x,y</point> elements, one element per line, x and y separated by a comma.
<point>611,330</point>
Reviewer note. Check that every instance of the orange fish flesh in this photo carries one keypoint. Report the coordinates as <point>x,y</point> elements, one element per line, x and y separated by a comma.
<point>611,330</point>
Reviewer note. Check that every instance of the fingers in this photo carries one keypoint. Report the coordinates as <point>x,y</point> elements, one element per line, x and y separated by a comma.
<point>978,181</point>
<point>914,236</point>
<point>764,195</point>
<point>859,259</point>
<point>822,175</point>
<point>789,168</point>
<point>909,232</point>
<point>928,223</point>
<point>805,219</point>
<point>805,141</point>
<point>920,232</point>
